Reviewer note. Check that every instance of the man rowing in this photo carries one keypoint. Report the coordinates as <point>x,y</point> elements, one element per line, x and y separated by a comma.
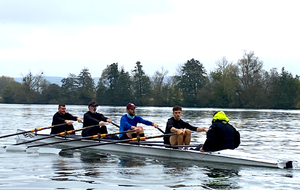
<point>182,129</point>
<point>60,117</point>
<point>92,117</point>
<point>129,121</point>
<point>221,135</point>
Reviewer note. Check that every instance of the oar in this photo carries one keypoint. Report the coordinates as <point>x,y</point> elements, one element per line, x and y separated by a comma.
<point>161,130</point>
<point>119,141</point>
<point>88,137</point>
<point>115,124</point>
<point>59,134</point>
<point>31,131</point>
<point>157,127</point>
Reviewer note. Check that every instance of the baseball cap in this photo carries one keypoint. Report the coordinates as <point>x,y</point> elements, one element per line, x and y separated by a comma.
<point>93,104</point>
<point>130,106</point>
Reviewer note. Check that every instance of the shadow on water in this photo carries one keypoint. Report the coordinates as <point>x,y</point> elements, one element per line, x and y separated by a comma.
<point>128,169</point>
<point>217,176</point>
<point>74,165</point>
<point>128,162</point>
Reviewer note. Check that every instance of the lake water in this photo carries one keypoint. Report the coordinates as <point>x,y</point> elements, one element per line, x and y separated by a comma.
<point>272,133</point>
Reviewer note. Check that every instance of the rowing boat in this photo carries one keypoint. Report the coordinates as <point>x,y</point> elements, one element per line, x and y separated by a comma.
<point>224,156</point>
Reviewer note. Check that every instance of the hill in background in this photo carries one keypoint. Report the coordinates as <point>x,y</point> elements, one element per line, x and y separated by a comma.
<point>55,80</point>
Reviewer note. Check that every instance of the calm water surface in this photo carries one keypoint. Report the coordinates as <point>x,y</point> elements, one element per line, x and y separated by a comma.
<point>272,133</point>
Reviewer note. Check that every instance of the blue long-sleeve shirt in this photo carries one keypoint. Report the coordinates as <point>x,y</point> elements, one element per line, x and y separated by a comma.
<point>126,123</point>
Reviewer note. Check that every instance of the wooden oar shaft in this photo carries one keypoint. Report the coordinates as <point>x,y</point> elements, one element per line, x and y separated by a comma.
<point>53,135</point>
<point>119,141</point>
<point>31,131</point>
<point>115,124</point>
<point>47,137</point>
<point>88,137</point>
<point>75,130</point>
<point>161,130</point>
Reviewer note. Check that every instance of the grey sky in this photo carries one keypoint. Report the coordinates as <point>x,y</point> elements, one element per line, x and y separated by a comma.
<point>60,37</point>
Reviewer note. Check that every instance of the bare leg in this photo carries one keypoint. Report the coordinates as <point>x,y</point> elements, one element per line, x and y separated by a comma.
<point>129,135</point>
<point>187,137</point>
<point>173,140</point>
<point>180,139</point>
<point>139,131</point>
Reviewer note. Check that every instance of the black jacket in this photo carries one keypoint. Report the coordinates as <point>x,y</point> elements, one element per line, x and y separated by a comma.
<point>90,119</point>
<point>178,124</point>
<point>60,119</point>
<point>221,136</point>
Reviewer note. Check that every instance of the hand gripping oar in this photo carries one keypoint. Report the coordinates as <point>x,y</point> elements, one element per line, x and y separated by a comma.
<point>32,130</point>
<point>119,141</point>
<point>88,137</point>
<point>58,134</point>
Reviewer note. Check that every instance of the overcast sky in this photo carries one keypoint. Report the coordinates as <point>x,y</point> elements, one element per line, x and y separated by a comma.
<point>59,37</point>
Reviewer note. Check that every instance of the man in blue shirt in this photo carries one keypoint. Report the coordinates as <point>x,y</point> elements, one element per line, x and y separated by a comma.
<point>129,121</point>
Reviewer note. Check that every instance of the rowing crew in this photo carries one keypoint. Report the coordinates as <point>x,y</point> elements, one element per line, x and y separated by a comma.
<point>220,135</point>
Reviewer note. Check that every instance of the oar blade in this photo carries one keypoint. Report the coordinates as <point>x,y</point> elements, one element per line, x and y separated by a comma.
<point>13,148</point>
<point>43,150</point>
<point>47,150</point>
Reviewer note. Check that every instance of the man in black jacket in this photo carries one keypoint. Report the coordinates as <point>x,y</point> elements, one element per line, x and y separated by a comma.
<point>182,129</point>
<point>221,135</point>
<point>94,118</point>
<point>61,117</point>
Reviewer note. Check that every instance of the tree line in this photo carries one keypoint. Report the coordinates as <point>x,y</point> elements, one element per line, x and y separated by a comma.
<point>244,84</point>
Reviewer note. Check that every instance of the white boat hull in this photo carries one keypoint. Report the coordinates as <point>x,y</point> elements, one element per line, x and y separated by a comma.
<point>224,156</point>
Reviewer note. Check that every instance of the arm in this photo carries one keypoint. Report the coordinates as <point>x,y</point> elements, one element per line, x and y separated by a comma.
<point>103,119</point>
<point>89,120</point>
<point>210,140</point>
<point>124,125</point>
<point>177,131</point>
<point>73,118</point>
<point>171,127</point>
<point>199,129</point>
<point>58,119</point>
<point>141,120</point>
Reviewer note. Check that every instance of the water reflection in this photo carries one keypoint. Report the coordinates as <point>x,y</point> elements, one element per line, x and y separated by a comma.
<point>79,164</point>
<point>270,133</point>
<point>130,162</point>
<point>63,170</point>
<point>221,178</point>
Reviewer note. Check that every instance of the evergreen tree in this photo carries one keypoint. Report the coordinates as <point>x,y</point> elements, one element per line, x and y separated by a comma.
<point>285,91</point>
<point>86,86</point>
<point>124,90</point>
<point>141,85</point>
<point>70,89</point>
<point>191,79</point>
<point>114,86</point>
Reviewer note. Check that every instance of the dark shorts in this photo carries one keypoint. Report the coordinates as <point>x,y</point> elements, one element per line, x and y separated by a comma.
<point>198,147</point>
<point>124,136</point>
<point>134,135</point>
